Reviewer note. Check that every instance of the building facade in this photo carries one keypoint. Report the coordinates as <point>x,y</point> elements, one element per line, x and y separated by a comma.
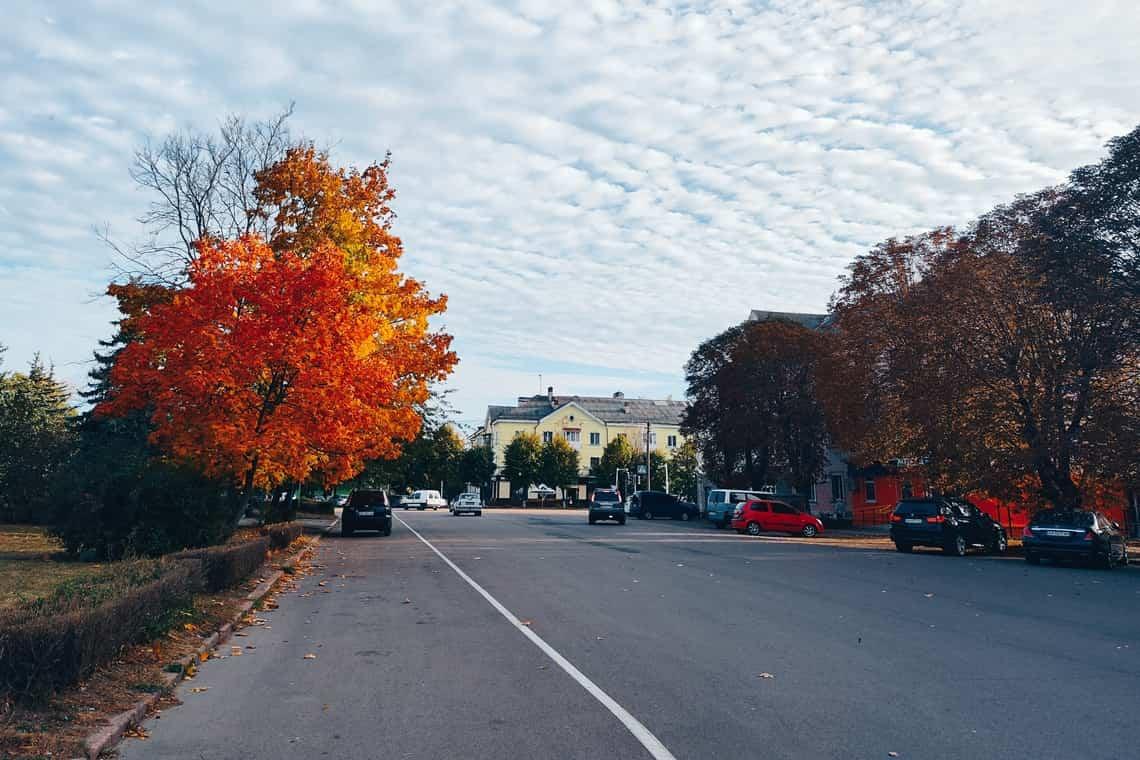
<point>587,423</point>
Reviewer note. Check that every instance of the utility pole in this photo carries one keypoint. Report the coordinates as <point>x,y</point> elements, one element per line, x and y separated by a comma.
<point>666,463</point>
<point>648,462</point>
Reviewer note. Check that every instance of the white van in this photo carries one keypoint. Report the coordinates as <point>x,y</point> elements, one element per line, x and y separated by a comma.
<point>722,502</point>
<point>424,500</point>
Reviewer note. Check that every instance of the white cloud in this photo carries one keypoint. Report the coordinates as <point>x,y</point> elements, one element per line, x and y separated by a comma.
<point>599,187</point>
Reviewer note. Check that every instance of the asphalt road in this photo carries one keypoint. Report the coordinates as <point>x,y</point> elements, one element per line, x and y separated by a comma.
<point>869,652</point>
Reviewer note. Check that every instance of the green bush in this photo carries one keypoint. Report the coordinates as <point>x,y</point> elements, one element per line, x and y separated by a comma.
<point>283,534</point>
<point>59,640</point>
<point>227,566</point>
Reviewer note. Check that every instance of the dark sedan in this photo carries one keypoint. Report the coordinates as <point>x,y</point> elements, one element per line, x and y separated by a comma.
<point>1089,537</point>
<point>366,510</point>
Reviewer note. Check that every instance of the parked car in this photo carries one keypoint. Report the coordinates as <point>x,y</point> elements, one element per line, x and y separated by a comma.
<point>366,510</point>
<point>1069,534</point>
<point>949,523</point>
<point>648,505</point>
<point>606,505</point>
<point>758,515</point>
<point>467,503</point>
<point>722,503</point>
<point>424,500</point>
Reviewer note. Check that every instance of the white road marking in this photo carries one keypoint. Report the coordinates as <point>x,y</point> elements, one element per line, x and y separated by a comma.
<point>651,743</point>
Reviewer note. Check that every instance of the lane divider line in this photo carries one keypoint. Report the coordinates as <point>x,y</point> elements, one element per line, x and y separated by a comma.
<point>651,743</point>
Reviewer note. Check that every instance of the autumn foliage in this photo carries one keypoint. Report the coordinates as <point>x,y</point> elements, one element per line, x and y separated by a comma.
<point>301,355</point>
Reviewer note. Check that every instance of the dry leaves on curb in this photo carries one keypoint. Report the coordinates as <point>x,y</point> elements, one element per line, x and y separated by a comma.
<point>235,651</point>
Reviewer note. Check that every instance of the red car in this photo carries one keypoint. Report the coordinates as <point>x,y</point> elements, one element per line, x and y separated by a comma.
<point>758,515</point>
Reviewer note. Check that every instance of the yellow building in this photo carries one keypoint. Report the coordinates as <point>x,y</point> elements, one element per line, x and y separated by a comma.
<point>587,423</point>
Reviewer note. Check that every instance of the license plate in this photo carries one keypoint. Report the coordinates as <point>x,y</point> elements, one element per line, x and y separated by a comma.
<point>1057,533</point>
<point>913,521</point>
<point>364,514</point>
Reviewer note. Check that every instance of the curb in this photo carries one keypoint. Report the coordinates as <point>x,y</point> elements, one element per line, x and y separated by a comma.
<point>112,733</point>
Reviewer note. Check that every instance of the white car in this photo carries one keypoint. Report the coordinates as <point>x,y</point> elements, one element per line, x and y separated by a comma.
<point>424,500</point>
<point>468,503</point>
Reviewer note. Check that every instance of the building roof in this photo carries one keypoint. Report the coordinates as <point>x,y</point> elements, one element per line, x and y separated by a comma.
<point>810,321</point>
<point>609,409</point>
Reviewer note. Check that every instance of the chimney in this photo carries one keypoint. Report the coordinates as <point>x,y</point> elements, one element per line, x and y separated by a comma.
<point>619,394</point>
<point>550,393</point>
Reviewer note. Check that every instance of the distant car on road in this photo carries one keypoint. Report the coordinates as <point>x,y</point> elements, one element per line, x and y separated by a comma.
<point>722,503</point>
<point>467,503</point>
<point>1074,535</point>
<point>606,505</point>
<point>647,505</point>
<point>424,499</point>
<point>366,510</point>
<point>759,515</point>
<point>948,523</point>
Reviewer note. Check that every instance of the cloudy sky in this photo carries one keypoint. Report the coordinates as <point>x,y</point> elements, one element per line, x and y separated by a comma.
<point>597,188</point>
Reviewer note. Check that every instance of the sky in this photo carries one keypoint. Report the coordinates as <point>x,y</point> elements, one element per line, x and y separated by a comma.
<point>596,185</point>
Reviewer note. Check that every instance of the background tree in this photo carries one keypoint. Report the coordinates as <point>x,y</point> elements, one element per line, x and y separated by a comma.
<point>617,454</point>
<point>447,453</point>
<point>36,438</point>
<point>753,411</point>
<point>684,471</point>
<point>477,467</point>
<point>521,461</point>
<point>558,463</point>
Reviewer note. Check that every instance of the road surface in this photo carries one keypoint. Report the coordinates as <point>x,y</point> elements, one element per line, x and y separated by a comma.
<point>686,642</point>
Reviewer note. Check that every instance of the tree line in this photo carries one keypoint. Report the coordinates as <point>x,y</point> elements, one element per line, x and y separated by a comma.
<point>1002,357</point>
<point>267,337</point>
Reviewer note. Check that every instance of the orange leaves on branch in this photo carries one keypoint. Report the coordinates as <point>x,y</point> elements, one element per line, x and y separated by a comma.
<point>286,359</point>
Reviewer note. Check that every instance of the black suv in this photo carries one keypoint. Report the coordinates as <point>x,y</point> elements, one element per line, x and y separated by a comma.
<point>1069,534</point>
<point>606,505</point>
<point>366,510</point>
<point>646,505</point>
<point>952,524</point>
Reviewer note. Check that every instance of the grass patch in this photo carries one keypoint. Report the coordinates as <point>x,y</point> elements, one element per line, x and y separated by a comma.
<point>31,540</point>
<point>24,581</point>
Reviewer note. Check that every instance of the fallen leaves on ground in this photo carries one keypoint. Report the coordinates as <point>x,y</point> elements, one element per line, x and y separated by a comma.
<point>199,689</point>
<point>765,675</point>
<point>309,656</point>
<point>527,623</point>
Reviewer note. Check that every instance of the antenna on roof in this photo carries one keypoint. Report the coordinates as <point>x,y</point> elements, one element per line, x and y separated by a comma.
<point>540,383</point>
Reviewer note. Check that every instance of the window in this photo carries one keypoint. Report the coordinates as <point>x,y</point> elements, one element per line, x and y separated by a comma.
<point>869,489</point>
<point>736,497</point>
<point>782,509</point>
<point>548,436</point>
<point>758,506</point>
<point>595,461</point>
<point>573,436</point>
<point>907,489</point>
<point>652,439</point>
<point>811,493</point>
<point>672,442</point>
<point>838,488</point>
<point>595,439</point>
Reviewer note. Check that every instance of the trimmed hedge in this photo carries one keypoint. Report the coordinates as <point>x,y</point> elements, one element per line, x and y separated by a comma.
<point>226,566</point>
<point>58,641</point>
<point>282,535</point>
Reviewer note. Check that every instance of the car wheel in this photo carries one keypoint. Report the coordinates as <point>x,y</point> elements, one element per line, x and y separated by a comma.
<point>1106,562</point>
<point>621,521</point>
<point>904,548</point>
<point>345,530</point>
<point>592,520</point>
<point>388,531</point>
<point>957,547</point>
<point>1032,559</point>
<point>1000,543</point>
<point>808,531</point>
<point>647,515</point>
<point>753,528</point>
<point>684,517</point>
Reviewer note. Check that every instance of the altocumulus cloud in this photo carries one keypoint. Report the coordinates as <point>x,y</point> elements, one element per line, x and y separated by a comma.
<point>597,187</point>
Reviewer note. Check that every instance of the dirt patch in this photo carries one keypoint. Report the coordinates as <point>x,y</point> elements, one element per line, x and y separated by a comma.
<point>28,579</point>
<point>18,541</point>
<point>58,727</point>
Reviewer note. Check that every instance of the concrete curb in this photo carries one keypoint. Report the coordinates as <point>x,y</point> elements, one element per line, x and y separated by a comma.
<point>112,733</point>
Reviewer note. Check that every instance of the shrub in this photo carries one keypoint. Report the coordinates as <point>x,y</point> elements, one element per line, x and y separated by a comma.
<point>227,566</point>
<point>283,534</point>
<point>59,640</point>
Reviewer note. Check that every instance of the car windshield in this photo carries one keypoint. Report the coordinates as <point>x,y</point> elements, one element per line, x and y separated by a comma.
<point>716,497</point>
<point>605,497</point>
<point>917,508</point>
<point>1064,518</point>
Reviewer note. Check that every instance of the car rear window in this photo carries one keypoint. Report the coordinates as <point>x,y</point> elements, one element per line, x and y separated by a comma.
<point>1064,518</point>
<point>366,498</point>
<point>917,508</point>
<point>606,496</point>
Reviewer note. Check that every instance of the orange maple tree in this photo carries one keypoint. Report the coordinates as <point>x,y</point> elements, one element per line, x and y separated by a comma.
<point>299,356</point>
